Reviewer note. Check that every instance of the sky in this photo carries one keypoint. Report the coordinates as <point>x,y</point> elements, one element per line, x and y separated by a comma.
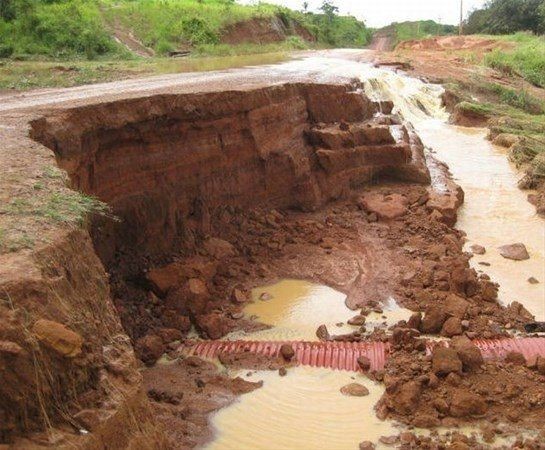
<point>378,13</point>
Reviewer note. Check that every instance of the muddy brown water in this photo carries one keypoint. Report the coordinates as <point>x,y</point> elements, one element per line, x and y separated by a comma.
<point>305,409</point>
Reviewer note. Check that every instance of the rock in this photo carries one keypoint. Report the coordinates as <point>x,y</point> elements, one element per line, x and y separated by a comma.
<point>58,337</point>
<point>367,445</point>
<point>467,404</point>
<point>516,252</point>
<point>192,297</point>
<point>515,358</point>
<point>433,320</point>
<point>238,296</point>
<point>355,390</point>
<point>489,291</point>
<point>364,363</point>
<point>358,320</point>
<point>219,248</point>
<point>406,400</point>
<point>287,352</point>
<point>456,306</point>
<point>164,278</point>
<point>265,296</point>
<point>88,418</point>
<point>169,335</point>
<point>150,348</point>
<point>415,321</point>
<point>469,353</point>
<point>213,325</point>
<point>171,319</point>
<point>10,348</point>
<point>445,360</point>
<point>322,333</point>
<point>478,249</point>
<point>533,280</point>
<point>385,206</point>
<point>426,420</point>
<point>452,327</point>
<point>282,371</point>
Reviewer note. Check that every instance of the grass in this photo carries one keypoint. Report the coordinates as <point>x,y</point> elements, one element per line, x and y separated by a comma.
<point>526,59</point>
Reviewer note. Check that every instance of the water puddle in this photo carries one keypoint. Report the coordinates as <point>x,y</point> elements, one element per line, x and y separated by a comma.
<point>296,308</point>
<point>209,63</point>
<point>303,410</point>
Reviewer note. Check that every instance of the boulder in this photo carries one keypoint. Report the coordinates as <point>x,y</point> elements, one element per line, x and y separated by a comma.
<point>385,206</point>
<point>456,306</point>
<point>445,360</point>
<point>322,333</point>
<point>238,296</point>
<point>433,320</point>
<point>515,358</point>
<point>415,321</point>
<point>367,445</point>
<point>10,348</point>
<point>468,352</point>
<point>516,252</point>
<point>192,297</point>
<point>58,337</point>
<point>219,248</point>
<point>358,320</point>
<point>213,325</point>
<point>467,404</point>
<point>355,390</point>
<point>171,319</point>
<point>452,327</point>
<point>150,348</point>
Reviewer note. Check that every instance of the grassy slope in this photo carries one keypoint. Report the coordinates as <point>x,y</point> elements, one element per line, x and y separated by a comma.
<point>514,111</point>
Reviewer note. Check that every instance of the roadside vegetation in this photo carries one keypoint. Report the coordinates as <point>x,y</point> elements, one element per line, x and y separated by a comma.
<point>406,31</point>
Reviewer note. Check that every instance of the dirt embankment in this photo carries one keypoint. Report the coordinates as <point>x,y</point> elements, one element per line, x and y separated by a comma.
<point>264,31</point>
<point>216,192</point>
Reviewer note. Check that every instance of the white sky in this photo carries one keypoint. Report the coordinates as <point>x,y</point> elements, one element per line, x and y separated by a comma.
<point>378,13</point>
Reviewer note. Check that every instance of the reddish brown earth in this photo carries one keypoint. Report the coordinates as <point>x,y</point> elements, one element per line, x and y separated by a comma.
<point>264,31</point>
<point>215,191</point>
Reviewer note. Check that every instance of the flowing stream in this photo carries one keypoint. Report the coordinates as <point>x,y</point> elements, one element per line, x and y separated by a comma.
<point>305,410</point>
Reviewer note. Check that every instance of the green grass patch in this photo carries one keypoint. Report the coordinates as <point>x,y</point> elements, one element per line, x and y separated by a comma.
<point>526,60</point>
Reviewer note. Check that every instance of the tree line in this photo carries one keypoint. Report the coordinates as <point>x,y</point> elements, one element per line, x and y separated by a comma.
<point>507,17</point>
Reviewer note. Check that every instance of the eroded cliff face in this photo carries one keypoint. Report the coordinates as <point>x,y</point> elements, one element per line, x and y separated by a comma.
<point>169,166</point>
<point>166,163</point>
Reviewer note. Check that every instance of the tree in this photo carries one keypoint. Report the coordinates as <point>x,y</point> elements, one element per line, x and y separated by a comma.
<point>507,16</point>
<point>329,10</point>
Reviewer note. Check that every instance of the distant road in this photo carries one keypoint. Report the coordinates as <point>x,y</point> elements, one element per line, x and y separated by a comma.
<point>382,42</point>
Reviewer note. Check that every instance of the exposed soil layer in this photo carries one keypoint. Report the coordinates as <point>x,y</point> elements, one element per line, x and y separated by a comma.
<point>215,193</point>
<point>264,31</point>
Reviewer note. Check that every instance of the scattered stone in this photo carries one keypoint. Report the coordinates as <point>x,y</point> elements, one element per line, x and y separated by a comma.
<point>385,206</point>
<point>533,280</point>
<point>367,445</point>
<point>265,296</point>
<point>484,263</point>
<point>358,320</point>
<point>445,360</point>
<point>355,390</point>
<point>287,352</point>
<point>282,371</point>
<point>433,320</point>
<point>150,348</point>
<point>58,337</point>
<point>516,252</point>
<point>364,363</point>
<point>478,249</point>
<point>322,333</point>
<point>469,353</point>
<point>452,327</point>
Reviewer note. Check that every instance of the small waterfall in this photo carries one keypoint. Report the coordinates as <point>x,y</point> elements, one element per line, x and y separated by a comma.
<point>413,99</point>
